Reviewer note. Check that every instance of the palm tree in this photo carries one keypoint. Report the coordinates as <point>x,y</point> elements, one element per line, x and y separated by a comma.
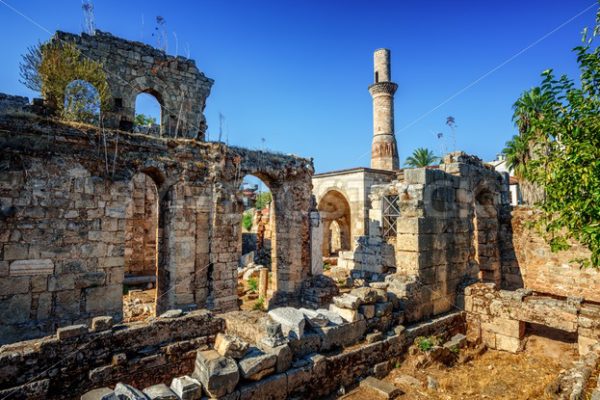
<point>524,146</point>
<point>421,157</point>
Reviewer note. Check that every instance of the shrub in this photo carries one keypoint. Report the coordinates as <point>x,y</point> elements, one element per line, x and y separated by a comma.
<point>247,221</point>
<point>253,284</point>
<point>260,304</point>
<point>425,344</point>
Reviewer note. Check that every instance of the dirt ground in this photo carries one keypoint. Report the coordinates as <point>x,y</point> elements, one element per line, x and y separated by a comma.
<point>138,305</point>
<point>491,375</point>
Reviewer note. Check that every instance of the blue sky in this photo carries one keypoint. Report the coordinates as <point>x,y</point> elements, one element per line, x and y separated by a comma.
<point>295,73</point>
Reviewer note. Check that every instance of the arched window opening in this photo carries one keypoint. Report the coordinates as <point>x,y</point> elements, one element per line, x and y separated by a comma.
<point>148,112</point>
<point>257,237</point>
<point>141,250</point>
<point>335,214</point>
<point>82,103</point>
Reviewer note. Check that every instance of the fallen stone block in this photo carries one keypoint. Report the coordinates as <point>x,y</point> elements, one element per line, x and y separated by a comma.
<point>218,375</point>
<point>284,356</point>
<point>374,337</point>
<point>342,335</point>
<point>186,388</point>
<point>382,389</point>
<point>99,394</point>
<point>345,313</point>
<point>103,323</point>
<point>231,346</point>
<point>315,318</point>
<point>171,314</point>
<point>383,309</point>
<point>272,388</point>
<point>408,381</point>
<point>347,301</point>
<point>72,331</point>
<point>368,310</point>
<point>457,341</point>
<point>369,295</point>
<point>256,365</point>
<point>160,392</point>
<point>126,392</point>
<point>291,319</point>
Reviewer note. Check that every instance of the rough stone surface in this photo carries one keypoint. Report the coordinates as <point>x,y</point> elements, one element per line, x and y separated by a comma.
<point>381,389</point>
<point>100,394</point>
<point>186,388</point>
<point>291,319</point>
<point>218,375</point>
<point>256,365</point>
<point>127,392</point>
<point>231,346</point>
<point>160,392</point>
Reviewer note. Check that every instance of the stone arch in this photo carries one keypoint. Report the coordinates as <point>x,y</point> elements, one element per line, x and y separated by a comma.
<point>158,89</point>
<point>334,206</point>
<point>82,102</point>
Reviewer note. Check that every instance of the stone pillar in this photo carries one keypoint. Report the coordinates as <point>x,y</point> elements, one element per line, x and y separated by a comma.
<point>384,151</point>
<point>316,243</point>
<point>263,282</point>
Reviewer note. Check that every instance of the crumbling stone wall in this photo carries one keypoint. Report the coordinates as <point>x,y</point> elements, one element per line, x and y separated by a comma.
<point>447,232</point>
<point>133,68</point>
<point>63,221</point>
<point>77,358</point>
<point>498,317</point>
<point>529,262</point>
<point>141,227</point>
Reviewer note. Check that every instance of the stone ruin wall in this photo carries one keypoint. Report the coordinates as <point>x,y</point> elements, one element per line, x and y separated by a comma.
<point>133,68</point>
<point>447,233</point>
<point>530,263</point>
<point>141,227</point>
<point>64,212</point>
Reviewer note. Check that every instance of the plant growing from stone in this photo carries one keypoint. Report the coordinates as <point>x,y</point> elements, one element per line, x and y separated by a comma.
<point>247,220</point>
<point>252,284</point>
<point>259,305</point>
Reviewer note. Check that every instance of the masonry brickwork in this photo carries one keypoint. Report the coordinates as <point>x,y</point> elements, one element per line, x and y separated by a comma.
<point>132,68</point>
<point>63,230</point>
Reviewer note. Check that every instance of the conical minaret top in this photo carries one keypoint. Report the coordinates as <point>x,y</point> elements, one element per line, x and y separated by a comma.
<point>384,151</point>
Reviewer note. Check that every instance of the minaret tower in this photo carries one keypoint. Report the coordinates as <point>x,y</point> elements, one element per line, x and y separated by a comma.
<point>384,152</point>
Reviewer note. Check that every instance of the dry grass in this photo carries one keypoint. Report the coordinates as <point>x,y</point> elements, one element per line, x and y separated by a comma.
<point>492,375</point>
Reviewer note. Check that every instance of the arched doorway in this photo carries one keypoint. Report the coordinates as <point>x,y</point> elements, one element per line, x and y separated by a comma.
<point>142,235</point>
<point>335,214</point>
<point>82,103</point>
<point>255,268</point>
<point>148,114</point>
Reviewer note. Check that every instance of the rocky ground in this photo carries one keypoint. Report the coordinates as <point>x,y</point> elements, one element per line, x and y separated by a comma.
<point>481,374</point>
<point>139,305</point>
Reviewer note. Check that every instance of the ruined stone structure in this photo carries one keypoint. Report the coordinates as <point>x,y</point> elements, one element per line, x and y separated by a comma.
<point>132,68</point>
<point>82,211</point>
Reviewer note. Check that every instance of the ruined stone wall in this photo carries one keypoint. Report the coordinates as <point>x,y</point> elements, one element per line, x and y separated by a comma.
<point>446,233</point>
<point>77,359</point>
<point>498,317</point>
<point>132,68</point>
<point>529,262</point>
<point>64,198</point>
<point>141,227</point>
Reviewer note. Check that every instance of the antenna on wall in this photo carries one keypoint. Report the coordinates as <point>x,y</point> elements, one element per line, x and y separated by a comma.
<point>221,122</point>
<point>89,25</point>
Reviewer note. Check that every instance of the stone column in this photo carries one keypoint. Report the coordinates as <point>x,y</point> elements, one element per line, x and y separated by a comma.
<point>316,243</point>
<point>263,282</point>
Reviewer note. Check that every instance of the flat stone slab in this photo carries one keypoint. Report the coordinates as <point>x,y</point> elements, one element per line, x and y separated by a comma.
<point>160,392</point>
<point>71,331</point>
<point>382,389</point>
<point>292,321</point>
<point>256,365</point>
<point>347,301</point>
<point>31,267</point>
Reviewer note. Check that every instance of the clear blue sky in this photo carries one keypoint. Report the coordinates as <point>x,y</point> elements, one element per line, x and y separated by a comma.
<point>296,72</point>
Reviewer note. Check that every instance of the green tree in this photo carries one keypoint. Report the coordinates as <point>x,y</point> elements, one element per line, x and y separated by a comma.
<point>420,158</point>
<point>61,65</point>
<point>247,220</point>
<point>144,120</point>
<point>562,136</point>
<point>28,68</point>
<point>262,199</point>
